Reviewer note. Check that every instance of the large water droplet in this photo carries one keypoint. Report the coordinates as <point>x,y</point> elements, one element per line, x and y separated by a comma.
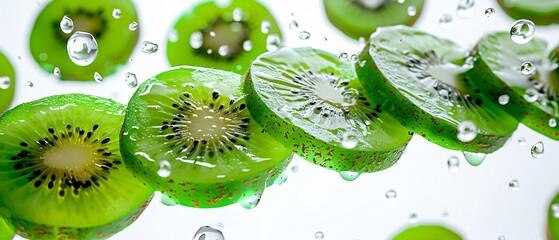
<point>514,184</point>
<point>453,163</point>
<point>133,26</point>
<point>537,150</point>
<point>5,82</point>
<point>467,131</point>
<point>343,56</point>
<point>82,48</point>
<point>293,25</point>
<point>319,235</point>
<point>391,194</point>
<point>474,159</point>
<point>527,68</point>
<point>445,21</point>
<point>552,122</point>
<point>196,40</point>
<point>466,8</point>
<point>66,24</point>
<point>522,31</point>
<point>149,47</point>
<point>247,45</point>
<point>555,210</point>
<point>349,176</point>
<point>273,42</point>
<point>504,99</point>
<point>304,35</point>
<point>208,233</point>
<point>265,26</point>
<point>131,80</point>
<point>251,202</point>
<point>117,13</point>
<point>97,77</point>
<point>164,169</point>
<point>531,95</point>
<point>412,11</point>
<point>56,71</point>
<point>349,140</point>
<point>489,12</point>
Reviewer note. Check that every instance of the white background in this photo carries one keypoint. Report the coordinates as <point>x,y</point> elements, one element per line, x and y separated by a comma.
<point>475,201</point>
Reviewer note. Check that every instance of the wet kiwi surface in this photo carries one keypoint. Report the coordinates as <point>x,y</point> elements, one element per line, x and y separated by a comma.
<point>61,174</point>
<point>7,83</point>
<point>48,43</point>
<point>525,75</point>
<point>360,18</point>
<point>188,134</point>
<point>418,78</point>
<point>541,12</point>
<point>313,103</point>
<point>222,37</point>
<point>427,232</point>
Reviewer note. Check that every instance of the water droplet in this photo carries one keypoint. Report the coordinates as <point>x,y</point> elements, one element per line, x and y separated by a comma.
<point>413,218</point>
<point>131,80</point>
<point>265,26</point>
<point>220,225</point>
<point>66,25</point>
<point>489,12</point>
<point>173,36</point>
<point>445,21</point>
<point>466,8</point>
<point>324,39</point>
<point>293,25</point>
<point>522,141</point>
<point>349,176</point>
<point>343,56</point>
<point>467,131</point>
<point>82,48</point>
<point>504,99</point>
<point>273,42</point>
<point>304,35</point>
<point>412,11</point>
<point>552,122</point>
<point>391,194</point>
<point>247,45</point>
<point>116,13</point>
<point>237,14</point>
<point>208,233</point>
<point>164,169</point>
<point>56,71</point>
<point>349,140</point>
<point>354,58</point>
<point>514,184</point>
<point>251,202</point>
<point>319,235</point>
<point>149,47</point>
<point>537,150</point>
<point>196,40</point>
<point>97,77</point>
<point>401,1</point>
<point>223,50</point>
<point>474,159</point>
<point>453,163</point>
<point>295,168</point>
<point>281,179</point>
<point>5,82</point>
<point>555,210</point>
<point>531,95</point>
<point>30,84</point>
<point>522,31</point>
<point>501,237</point>
<point>167,201</point>
<point>133,26</point>
<point>362,42</point>
<point>527,68</point>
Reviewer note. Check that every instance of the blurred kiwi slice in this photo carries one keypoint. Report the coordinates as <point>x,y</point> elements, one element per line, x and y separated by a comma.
<point>427,232</point>
<point>360,18</point>
<point>61,174</point>
<point>420,82</point>
<point>541,12</point>
<point>188,134</point>
<point>7,83</point>
<point>115,42</point>
<point>312,102</point>
<point>222,37</point>
<point>523,78</point>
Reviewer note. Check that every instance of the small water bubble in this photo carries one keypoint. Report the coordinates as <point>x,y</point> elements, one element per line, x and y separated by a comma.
<point>522,141</point>
<point>208,233</point>
<point>349,176</point>
<point>209,51</point>
<point>343,56</point>
<point>531,95</point>
<point>537,150</point>
<point>514,184</point>
<point>552,122</point>
<point>164,169</point>
<point>133,26</point>
<point>391,194</point>
<point>56,71</point>
<point>501,237</point>
<point>251,201</point>
<point>474,159</point>
<point>149,47</point>
<point>413,218</point>
<point>5,82</point>
<point>354,58</point>
<point>503,99</point>
<point>324,39</point>
<point>466,8</point>
<point>522,31</point>
<point>349,140</point>
<point>453,163</point>
<point>237,14</point>
<point>117,13</point>
<point>304,35</point>
<point>247,45</point>
<point>412,11</point>
<point>319,235</point>
<point>350,96</point>
<point>97,77</point>
<point>66,25</point>
<point>555,210</point>
<point>131,80</point>
<point>527,68</point>
<point>173,35</point>
<point>82,48</point>
<point>30,84</point>
<point>295,168</point>
<point>223,50</point>
<point>273,42</point>
<point>467,131</point>
<point>196,40</point>
<point>265,26</point>
<point>489,12</point>
<point>445,21</point>
<point>293,25</point>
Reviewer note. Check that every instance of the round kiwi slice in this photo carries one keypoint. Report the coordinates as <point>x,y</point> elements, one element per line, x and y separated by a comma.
<point>222,37</point>
<point>427,232</point>
<point>525,75</point>
<point>61,173</point>
<point>115,41</point>
<point>541,12</point>
<point>360,18</point>
<point>188,134</point>
<point>313,103</point>
<point>7,83</point>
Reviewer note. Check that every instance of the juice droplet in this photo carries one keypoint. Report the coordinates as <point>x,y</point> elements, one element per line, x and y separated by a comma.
<point>149,47</point>
<point>56,72</point>
<point>537,150</point>
<point>304,35</point>
<point>412,218</point>
<point>247,45</point>
<point>343,56</point>
<point>474,159</point>
<point>164,169</point>
<point>445,21</point>
<point>131,80</point>
<point>30,84</point>
<point>265,27</point>
<point>467,131</point>
<point>349,176</point>
<point>522,31</point>
<point>552,122</point>
<point>117,13</point>
<point>555,210</point>
<point>133,26</point>
<point>349,140</point>
<point>208,233</point>
<point>489,12</point>
<point>504,99</point>
<point>453,163</point>
<point>514,184</point>
<point>531,95</point>
<point>251,201</point>
<point>66,25</point>
<point>82,48</point>
<point>196,40</point>
<point>319,235</point>
<point>97,77</point>
<point>273,42</point>
<point>412,11</point>
<point>527,68</point>
<point>466,9</point>
<point>5,82</point>
<point>391,194</point>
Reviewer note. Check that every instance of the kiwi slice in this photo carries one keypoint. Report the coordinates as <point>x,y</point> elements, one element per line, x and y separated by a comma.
<point>418,78</point>
<point>61,174</point>
<point>313,103</point>
<point>360,18</point>
<point>524,78</point>
<point>7,83</point>
<point>541,12</point>
<point>48,43</point>
<point>427,232</point>
<point>188,134</point>
<point>222,37</point>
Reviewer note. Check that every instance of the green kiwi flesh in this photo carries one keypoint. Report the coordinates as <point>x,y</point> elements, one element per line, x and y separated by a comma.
<point>360,18</point>
<point>553,219</point>
<point>312,102</point>
<point>497,72</point>
<point>193,123</point>
<point>6,231</point>
<point>427,232</point>
<point>115,41</point>
<point>541,12</point>
<point>417,78</point>
<point>6,72</point>
<point>222,37</point>
<point>62,172</point>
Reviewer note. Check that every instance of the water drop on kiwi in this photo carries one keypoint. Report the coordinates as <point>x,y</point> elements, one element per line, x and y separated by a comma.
<point>5,82</point>
<point>82,48</point>
<point>522,31</point>
<point>66,25</point>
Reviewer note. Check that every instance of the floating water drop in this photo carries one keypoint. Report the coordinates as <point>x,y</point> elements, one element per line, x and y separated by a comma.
<point>164,169</point>
<point>149,47</point>
<point>251,201</point>
<point>223,50</point>
<point>97,77</point>
<point>117,13</point>
<point>66,25</point>
<point>349,140</point>
<point>265,26</point>
<point>474,159</point>
<point>131,80</point>
<point>295,168</point>
<point>56,71</point>
<point>522,31</point>
<point>489,12</point>
<point>237,14</point>
<point>503,99</point>
<point>247,45</point>
<point>501,237</point>
<point>412,11</point>
<point>522,141</point>
<point>453,163</point>
<point>208,233</point>
<point>30,84</point>
<point>5,82</point>
<point>349,176</point>
<point>196,40</point>
<point>552,122</point>
<point>467,131</point>
<point>466,9</point>
<point>391,194</point>
<point>413,218</point>
<point>319,235</point>
<point>354,58</point>
<point>537,150</point>
<point>82,48</point>
<point>527,68</point>
<point>445,21</point>
<point>343,56</point>
<point>555,210</point>
<point>273,42</point>
<point>173,35</point>
<point>133,26</point>
<point>304,35</point>
<point>531,95</point>
<point>293,25</point>
<point>514,184</point>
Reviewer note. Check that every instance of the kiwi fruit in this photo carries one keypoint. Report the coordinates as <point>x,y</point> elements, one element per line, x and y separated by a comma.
<point>7,83</point>
<point>312,102</point>
<point>6,230</point>
<point>427,232</point>
<point>222,37</point>
<point>360,18</point>
<point>525,75</point>
<point>541,12</point>
<point>115,42</point>
<point>188,134</point>
<point>553,219</point>
<point>61,175</point>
